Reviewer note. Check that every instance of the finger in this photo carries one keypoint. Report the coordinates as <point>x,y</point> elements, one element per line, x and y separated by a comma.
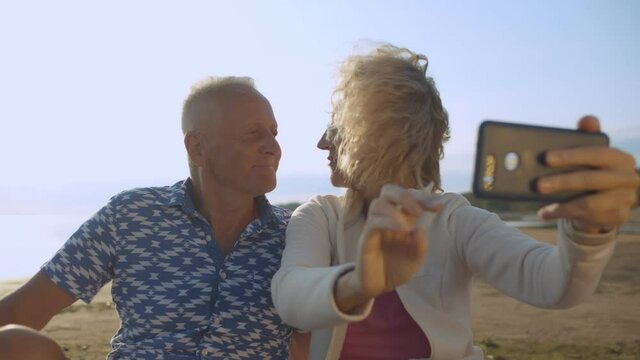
<point>431,206</point>
<point>589,123</point>
<point>604,208</point>
<point>412,244</point>
<point>592,156</point>
<point>381,223</point>
<point>588,180</point>
<point>383,208</point>
<point>415,247</point>
<point>431,202</point>
<point>398,195</point>
<point>394,238</point>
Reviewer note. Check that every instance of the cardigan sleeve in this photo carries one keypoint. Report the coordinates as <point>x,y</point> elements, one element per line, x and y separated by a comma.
<point>302,289</point>
<point>540,274</point>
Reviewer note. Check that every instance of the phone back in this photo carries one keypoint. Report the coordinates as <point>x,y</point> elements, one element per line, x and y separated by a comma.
<point>509,158</point>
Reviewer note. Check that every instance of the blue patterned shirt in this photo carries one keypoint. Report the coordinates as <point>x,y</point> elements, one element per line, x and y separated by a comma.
<point>177,295</point>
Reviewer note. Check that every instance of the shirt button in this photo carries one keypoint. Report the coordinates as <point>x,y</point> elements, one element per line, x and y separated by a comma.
<point>205,352</point>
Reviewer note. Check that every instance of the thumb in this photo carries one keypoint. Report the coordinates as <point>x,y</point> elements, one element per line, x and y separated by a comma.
<point>423,224</point>
<point>589,123</point>
<point>421,243</point>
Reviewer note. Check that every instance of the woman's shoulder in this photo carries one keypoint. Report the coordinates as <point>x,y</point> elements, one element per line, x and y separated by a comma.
<point>326,200</point>
<point>457,209</point>
<point>457,204</point>
<point>453,198</point>
<point>450,200</point>
<point>320,205</point>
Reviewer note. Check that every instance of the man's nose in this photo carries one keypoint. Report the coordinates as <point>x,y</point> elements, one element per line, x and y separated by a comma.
<point>271,145</point>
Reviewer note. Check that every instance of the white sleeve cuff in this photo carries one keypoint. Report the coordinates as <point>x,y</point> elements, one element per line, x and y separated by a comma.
<point>358,314</point>
<point>585,239</point>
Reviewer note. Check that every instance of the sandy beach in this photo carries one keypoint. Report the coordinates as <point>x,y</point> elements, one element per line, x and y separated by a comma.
<point>606,327</point>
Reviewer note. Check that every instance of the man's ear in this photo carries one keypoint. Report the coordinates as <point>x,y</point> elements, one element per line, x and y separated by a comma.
<point>193,144</point>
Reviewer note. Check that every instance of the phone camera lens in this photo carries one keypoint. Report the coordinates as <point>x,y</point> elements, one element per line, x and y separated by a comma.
<point>511,161</point>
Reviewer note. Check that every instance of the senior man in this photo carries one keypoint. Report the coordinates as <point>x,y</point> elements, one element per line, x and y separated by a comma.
<point>191,263</point>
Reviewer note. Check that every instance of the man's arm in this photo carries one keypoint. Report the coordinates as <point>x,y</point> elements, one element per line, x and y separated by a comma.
<point>34,303</point>
<point>80,268</point>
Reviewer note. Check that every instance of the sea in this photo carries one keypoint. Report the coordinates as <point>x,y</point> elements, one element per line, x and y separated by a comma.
<point>35,223</point>
<point>29,240</point>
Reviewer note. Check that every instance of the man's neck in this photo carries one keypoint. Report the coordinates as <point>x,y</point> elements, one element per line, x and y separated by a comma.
<point>227,212</point>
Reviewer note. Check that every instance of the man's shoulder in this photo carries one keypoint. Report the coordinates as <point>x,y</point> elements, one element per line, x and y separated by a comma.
<point>148,196</point>
<point>281,214</point>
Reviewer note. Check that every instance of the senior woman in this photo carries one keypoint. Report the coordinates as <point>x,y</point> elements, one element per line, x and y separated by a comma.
<point>356,270</point>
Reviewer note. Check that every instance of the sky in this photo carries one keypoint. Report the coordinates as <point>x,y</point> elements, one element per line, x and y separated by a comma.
<point>91,92</point>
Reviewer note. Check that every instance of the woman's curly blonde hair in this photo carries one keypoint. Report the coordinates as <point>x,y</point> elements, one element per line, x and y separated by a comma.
<point>389,121</point>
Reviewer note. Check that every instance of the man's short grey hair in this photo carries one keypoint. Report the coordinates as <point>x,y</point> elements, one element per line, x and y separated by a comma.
<point>204,93</point>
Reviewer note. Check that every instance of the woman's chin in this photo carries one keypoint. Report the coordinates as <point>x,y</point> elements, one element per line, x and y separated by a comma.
<point>338,181</point>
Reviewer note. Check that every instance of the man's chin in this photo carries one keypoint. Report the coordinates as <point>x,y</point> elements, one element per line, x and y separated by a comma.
<point>266,187</point>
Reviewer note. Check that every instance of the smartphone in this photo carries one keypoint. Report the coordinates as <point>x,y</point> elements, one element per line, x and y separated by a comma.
<point>510,158</point>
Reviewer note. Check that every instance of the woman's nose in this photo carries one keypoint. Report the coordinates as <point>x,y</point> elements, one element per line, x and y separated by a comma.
<point>323,143</point>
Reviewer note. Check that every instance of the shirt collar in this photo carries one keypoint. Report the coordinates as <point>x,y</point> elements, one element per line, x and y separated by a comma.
<point>178,194</point>
<point>265,210</point>
<point>181,194</point>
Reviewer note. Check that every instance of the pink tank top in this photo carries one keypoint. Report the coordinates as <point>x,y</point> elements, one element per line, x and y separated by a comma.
<point>388,332</point>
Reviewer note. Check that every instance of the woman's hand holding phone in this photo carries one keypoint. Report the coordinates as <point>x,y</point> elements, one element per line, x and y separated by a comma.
<point>610,179</point>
